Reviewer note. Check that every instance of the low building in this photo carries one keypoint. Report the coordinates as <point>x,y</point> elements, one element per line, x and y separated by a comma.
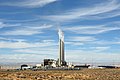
<point>95,67</point>
<point>25,67</point>
<point>50,63</point>
<point>81,66</point>
<point>39,66</point>
<point>107,66</point>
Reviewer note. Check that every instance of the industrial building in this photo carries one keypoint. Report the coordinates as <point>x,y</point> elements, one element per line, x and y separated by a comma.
<point>61,60</point>
<point>25,66</point>
<point>50,63</point>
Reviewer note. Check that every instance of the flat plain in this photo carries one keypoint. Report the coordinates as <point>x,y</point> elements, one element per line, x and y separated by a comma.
<point>84,74</point>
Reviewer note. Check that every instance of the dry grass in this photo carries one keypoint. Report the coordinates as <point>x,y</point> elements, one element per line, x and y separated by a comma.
<point>85,74</point>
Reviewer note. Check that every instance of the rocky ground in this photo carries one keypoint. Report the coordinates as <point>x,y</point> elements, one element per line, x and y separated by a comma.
<point>85,74</point>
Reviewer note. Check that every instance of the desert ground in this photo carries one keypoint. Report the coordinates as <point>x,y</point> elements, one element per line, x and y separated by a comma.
<point>84,74</point>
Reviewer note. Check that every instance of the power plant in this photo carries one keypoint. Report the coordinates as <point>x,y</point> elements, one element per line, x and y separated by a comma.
<point>61,59</point>
<point>56,64</point>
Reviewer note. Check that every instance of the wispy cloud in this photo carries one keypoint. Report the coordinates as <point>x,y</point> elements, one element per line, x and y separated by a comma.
<point>11,39</point>
<point>102,48</point>
<point>82,38</point>
<point>41,51</point>
<point>99,48</point>
<point>91,29</point>
<point>4,44</point>
<point>71,56</point>
<point>2,25</point>
<point>27,30</point>
<point>91,56</point>
<point>102,42</point>
<point>29,52</point>
<point>18,58</point>
<point>79,40</point>
<point>108,6</point>
<point>23,44</point>
<point>75,43</point>
<point>29,3</point>
<point>110,14</point>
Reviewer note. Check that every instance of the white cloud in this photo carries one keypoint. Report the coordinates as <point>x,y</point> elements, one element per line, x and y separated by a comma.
<point>18,58</point>
<point>40,51</point>
<point>91,29</point>
<point>27,30</point>
<point>79,40</point>
<point>111,14</point>
<point>4,44</point>
<point>2,25</point>
<point>90,56</point>
<point>22,32</point>
<point>81,56</point>
<point>102,42</point>
<point>74,43</point>
<point>48,41</point>
<point>82,38</point>
<point>30,19</point>
<point>29,55</point>
<point>101,8</point>
<point>29,3</point>
<point>100,48</point>
<point>11,39</point>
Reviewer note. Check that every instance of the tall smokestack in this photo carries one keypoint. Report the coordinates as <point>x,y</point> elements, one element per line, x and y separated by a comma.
<point>61,47</point>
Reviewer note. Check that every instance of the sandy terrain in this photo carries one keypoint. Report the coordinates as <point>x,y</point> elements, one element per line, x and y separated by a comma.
<point>86,74</point>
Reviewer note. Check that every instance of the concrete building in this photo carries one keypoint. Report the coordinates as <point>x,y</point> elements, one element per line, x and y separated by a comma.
<point>61,61</point>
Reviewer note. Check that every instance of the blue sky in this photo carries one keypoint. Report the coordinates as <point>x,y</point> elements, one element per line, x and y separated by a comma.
<point>29,30</point>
